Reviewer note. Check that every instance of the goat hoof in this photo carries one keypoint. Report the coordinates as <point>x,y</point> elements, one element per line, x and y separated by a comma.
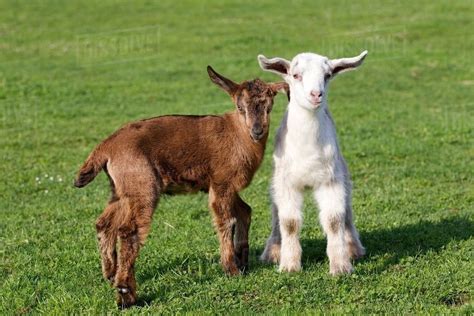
<point>271,254</point>
<point>241,264</point>
<point>289,267</point>
<point>123,290</point>
<point>340,269</point>
<point>241,259</point>
<point>357,252</point>
<point>232,270</point>
<point>125,298</point>
<point>244,269</point>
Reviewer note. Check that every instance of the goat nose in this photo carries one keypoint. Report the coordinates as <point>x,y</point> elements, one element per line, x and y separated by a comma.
<point>257,130</point>
<point>316,93</point>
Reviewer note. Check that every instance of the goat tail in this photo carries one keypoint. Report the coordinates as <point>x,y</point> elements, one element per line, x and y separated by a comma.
<point>91,168</point>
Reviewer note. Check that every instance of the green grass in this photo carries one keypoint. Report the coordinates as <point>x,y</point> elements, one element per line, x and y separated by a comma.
<point>73,72</point>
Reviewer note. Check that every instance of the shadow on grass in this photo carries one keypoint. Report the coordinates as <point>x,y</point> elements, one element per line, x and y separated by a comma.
<point>400,242</point>
<point>397,243</point>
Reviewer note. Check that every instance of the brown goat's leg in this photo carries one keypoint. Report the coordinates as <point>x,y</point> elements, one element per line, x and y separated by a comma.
<point>241,236</point>
<point>107,238</point>
<point>132,234</point>
<point>222,204</point>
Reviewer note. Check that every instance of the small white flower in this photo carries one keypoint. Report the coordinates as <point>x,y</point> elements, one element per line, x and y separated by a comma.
<point>51,178</point>
<point>46,191</point>
<point>37,178</point>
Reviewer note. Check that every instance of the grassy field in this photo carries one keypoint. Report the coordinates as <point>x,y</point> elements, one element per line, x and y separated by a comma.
<point>73,72</point>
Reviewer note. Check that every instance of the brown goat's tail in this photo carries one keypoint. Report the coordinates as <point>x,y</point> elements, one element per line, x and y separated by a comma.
<point>91,168</point>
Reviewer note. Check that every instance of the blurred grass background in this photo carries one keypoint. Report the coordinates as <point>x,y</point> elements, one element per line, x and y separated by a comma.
<point>72,72</point>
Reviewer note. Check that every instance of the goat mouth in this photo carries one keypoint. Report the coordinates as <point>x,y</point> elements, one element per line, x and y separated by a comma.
<point>256,138</point>
<point>315,103</point>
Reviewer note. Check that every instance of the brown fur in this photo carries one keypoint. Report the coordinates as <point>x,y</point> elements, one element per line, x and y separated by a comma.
<point>291,226</point>
<point>181,154</point>
<point>334,224</point>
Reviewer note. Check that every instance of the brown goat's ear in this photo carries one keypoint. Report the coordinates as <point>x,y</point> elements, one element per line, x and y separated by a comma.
<point>281,87</point>
<point>226,84</point>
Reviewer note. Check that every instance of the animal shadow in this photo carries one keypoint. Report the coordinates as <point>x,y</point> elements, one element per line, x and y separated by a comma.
<point>401,242</point>
<point>395,243</point>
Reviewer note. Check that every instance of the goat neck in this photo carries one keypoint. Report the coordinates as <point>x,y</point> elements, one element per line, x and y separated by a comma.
<point>303,122</point>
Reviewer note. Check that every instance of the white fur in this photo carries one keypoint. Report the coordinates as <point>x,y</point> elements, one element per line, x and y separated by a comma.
<point>307,155</point>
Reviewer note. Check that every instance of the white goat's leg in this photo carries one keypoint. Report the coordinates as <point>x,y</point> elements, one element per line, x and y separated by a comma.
<point>356,250</point>
<point>289,201</point>
<point>331,199</point>
<point>271,253</point>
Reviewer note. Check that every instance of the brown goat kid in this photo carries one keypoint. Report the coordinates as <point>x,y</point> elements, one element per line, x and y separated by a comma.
<point>181,154</point>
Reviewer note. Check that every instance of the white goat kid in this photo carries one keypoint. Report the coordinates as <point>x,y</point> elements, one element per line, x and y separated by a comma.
<point>307,155</point>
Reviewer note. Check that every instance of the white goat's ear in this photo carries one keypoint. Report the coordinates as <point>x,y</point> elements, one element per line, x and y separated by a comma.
<point>346,64</point>
<point>226,84</point>
<point>277,65</point>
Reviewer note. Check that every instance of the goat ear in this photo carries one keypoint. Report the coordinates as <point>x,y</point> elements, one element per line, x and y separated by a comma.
<point>346,64</point>
<point>277,65</point>
<point>226,84</point>
<point>280,87</point>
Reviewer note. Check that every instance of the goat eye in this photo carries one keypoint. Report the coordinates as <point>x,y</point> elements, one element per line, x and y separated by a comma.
<point>327,77</point>
<point>297,77</point>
